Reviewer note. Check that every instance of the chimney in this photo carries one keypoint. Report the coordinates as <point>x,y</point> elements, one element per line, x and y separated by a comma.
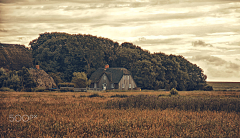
<point>37,66</point>
<point>106,66</point>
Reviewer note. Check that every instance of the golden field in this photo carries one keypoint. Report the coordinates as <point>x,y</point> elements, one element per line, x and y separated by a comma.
<point>225,86</point>
<point>72,114</point>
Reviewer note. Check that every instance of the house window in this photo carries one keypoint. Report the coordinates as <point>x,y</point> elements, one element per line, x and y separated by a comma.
<point>122,85</point>
<point>130,86</point>
<point>112,86</point>
<point>95,85</point>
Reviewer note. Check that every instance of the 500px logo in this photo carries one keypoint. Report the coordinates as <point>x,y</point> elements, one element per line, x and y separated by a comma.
<point>18,118</point>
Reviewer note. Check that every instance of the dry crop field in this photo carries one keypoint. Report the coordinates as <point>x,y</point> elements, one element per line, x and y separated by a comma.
<point>120,114</point>
<point>225,86</point>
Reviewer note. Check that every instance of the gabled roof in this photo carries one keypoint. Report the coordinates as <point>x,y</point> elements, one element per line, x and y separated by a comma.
<point>114,74</point>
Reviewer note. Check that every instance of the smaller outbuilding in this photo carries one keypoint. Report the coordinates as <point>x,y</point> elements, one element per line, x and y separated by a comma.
<point>112,78</point>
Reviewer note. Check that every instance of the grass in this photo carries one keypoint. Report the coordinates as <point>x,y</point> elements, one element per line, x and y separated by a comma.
<point>225,86</point>
<point>120,95</point>
<point>70,114</point>
<point>176,102</point>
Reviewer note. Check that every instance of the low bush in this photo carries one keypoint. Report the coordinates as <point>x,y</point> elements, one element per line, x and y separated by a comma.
<point>116,90</point>
<point>173,92</point>
<point>6,89</point>
<point>208,88</point>
<point>39,89</point>
<point>182,103</point>
<point>162,95</point>
<point>66,90</point>
<point>82,96</point>
<point>119,95</point>
<point>95,95</point>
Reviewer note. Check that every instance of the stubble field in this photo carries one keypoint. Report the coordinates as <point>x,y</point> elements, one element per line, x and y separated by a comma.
<point>70,114</point>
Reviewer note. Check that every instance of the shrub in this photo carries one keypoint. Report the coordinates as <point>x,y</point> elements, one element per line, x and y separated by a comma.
<point>117,90</point>
<point>208,88</point>
<point>6,89</point>
<point>95,95</point>
<point>161,95</point>
<point>65,84</point>
<point>173,92</point>
<point>66,90</point>
<point>82,96</point>
<point>118,95</point>
<point>39,89</point>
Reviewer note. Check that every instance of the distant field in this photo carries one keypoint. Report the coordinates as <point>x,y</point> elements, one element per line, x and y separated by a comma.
<point>85,114</point>
<point>228,86</point>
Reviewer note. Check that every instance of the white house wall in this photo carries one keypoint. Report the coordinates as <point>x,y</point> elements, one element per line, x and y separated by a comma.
<point>102,81</point>
<point>126,80</point>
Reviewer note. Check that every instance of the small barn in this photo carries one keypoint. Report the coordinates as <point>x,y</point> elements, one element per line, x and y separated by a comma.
<point>112,78</point>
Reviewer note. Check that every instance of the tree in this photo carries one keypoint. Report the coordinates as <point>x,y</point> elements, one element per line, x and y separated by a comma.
<point>63,54</point>
<point>13,82</point>
<point>56,77</point>
<point>26,79</point>
<point>3,76</point>
<point>80,79</point>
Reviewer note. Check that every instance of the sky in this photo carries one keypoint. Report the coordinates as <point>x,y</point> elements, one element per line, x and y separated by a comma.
<point>205,32</point>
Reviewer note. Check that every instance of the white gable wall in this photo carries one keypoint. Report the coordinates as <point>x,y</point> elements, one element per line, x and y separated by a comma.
<point>104,79</point>
<point>125,81</point>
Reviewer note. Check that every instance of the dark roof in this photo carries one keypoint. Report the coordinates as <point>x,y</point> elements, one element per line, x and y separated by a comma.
<point>114,74</point>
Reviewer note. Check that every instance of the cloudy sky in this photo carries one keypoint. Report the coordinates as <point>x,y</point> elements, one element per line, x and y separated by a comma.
<point>206,32</point>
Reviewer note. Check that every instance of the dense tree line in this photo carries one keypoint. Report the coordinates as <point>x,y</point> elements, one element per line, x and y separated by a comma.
<point>20,80</point>
<point>14,57</point>
<point>62,54</point>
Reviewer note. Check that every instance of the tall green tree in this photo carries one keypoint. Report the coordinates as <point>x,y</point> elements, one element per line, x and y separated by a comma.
<point>3,76</point>
<point>26,80</point>
<point>80,79</point>
<point>13,82</point>
<point>64,54</point>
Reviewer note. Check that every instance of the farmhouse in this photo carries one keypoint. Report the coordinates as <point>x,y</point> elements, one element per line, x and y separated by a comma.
<point>112,78</point>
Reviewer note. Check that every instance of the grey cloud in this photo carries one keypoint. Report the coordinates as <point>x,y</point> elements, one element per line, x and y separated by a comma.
<point>233,66</point>
<point>235,43</point>
<point>143,40</point>
<point>91,4</point>
<point>225,10</point>
<point>134,21</point>
<point>114,21</point>
<point>213,72</point>
<point>198,30</point>
<point>223,72</point>
<point>160,17</point>
<point>3,30</point>
<point>88,4</point>
<point>216,67</point>
<point>201,43</point>
<point>216,61</point>
<point>85,1</point>
<point>53,18</point>
<point>132,3</point>
<point>70,8</point>
<point>210,59</point>
<point>97,18</point>
<point>11,1</point>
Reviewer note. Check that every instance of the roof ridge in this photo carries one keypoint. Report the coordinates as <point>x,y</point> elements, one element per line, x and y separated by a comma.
<point>113,74</point>
<point>114,68</point>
